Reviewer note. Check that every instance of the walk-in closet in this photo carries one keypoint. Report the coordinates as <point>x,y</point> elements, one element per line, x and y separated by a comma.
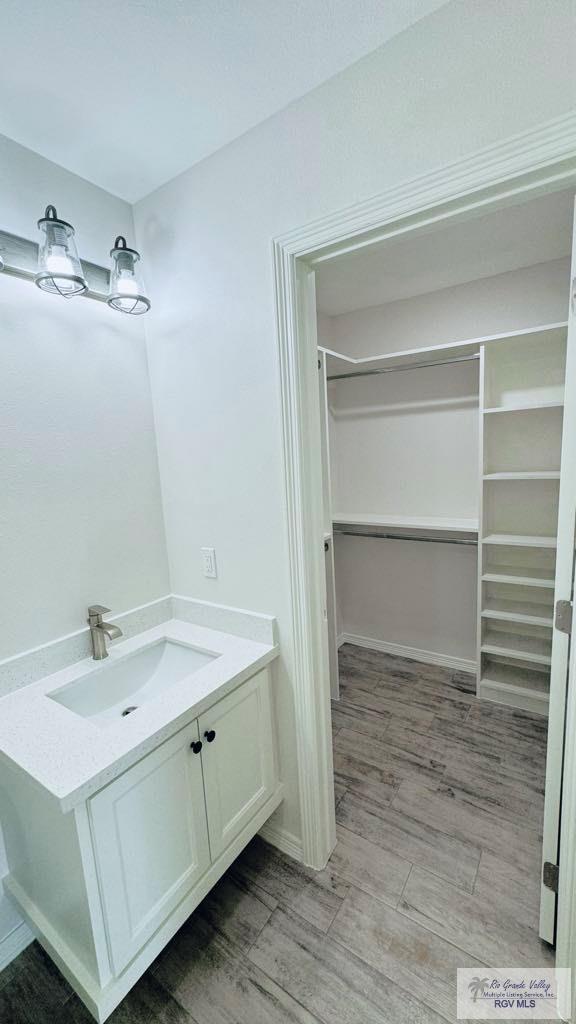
<point>441,364</point>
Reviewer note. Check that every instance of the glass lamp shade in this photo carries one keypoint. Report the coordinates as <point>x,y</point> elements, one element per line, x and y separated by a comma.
<point>126,293</point>
<point>59,268</point>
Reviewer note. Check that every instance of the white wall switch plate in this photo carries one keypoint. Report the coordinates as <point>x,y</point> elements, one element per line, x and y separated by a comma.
<point>209,562</point>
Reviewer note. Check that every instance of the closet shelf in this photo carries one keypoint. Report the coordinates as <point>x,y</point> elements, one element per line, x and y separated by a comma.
<point>532,613</point>
<point>519,540</point>
<point>438,523</point>
<point>538,474</point>
<point>523,407</point>
<point>337,360</point>
<point>521,575</point>
<point>518,646</point>
<point>515,685</point>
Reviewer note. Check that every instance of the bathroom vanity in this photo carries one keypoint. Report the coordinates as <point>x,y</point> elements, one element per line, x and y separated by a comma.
<point>128,787</point>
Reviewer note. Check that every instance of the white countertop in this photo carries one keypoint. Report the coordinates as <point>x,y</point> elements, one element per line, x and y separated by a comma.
<point>72,757</point>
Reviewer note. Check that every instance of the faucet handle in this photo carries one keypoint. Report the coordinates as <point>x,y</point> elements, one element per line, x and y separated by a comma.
<point>96,611</point>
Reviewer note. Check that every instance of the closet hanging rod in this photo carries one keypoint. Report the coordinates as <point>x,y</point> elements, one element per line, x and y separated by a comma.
<point>399,536</point>
<point>409,366</point>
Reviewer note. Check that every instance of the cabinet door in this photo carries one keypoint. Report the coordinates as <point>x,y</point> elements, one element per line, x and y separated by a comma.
<point>237,759</point>
<point>151,842</point>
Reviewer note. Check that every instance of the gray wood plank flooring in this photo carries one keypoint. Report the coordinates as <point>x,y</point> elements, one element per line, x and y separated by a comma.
<point>439,801</point>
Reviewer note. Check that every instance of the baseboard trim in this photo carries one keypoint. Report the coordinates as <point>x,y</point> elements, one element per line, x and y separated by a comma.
<point>13,943</point>
<point>414,653</point>
<point>283,840</point>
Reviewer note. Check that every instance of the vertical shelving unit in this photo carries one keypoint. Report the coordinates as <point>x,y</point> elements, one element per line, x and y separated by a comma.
<point>522,392</point>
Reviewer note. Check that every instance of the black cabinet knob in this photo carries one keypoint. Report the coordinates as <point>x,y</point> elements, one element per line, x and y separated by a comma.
<point>196,746</point>
<point>209,735</point>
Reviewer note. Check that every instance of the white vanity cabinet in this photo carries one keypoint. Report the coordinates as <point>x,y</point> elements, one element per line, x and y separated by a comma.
<point>150,842</point>
<point>237,761</point>
<point>106,885</point>
<point>157,828</point>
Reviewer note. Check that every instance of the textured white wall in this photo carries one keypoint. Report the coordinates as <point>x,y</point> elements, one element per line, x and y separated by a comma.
<point>469,75</point>
<point>421,596</point>
<point>28,183</point>
<point>492,305</point>
<point>407,443</point>
<point>80,510</point>
<point>82,518</point>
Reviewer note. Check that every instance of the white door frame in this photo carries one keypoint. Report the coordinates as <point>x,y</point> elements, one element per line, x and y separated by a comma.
<point>539,160</point>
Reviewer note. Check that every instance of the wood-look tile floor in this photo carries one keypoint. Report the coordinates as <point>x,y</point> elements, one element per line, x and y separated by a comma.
<point>439,802</point>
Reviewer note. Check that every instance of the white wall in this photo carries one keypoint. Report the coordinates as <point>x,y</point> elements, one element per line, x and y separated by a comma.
<point>492,305</point>
<point>81,510</point>
<point>419,596</point>
<point>407,444</point>
<point>81,516</point>
<point>470,75</point>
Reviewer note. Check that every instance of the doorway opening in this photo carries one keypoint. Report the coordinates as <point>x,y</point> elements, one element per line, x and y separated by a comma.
<point>436,605</point>
<point>442,366</point>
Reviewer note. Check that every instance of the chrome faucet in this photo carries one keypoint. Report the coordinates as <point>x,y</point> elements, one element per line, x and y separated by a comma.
<point>99,630</point>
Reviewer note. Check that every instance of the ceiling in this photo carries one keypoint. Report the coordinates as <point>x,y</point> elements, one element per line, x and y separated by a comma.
<point>469,249</point>
<point>130,94</point>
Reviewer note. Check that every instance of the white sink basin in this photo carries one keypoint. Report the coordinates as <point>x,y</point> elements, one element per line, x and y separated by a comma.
<point>117,689</point>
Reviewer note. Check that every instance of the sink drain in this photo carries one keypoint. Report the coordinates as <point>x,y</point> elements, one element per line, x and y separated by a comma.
<point>128,711</point>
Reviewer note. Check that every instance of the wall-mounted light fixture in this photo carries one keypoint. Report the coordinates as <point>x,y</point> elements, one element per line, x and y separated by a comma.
<point>55,266</point>
<point>59,268</point>
<point>127,293</point>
